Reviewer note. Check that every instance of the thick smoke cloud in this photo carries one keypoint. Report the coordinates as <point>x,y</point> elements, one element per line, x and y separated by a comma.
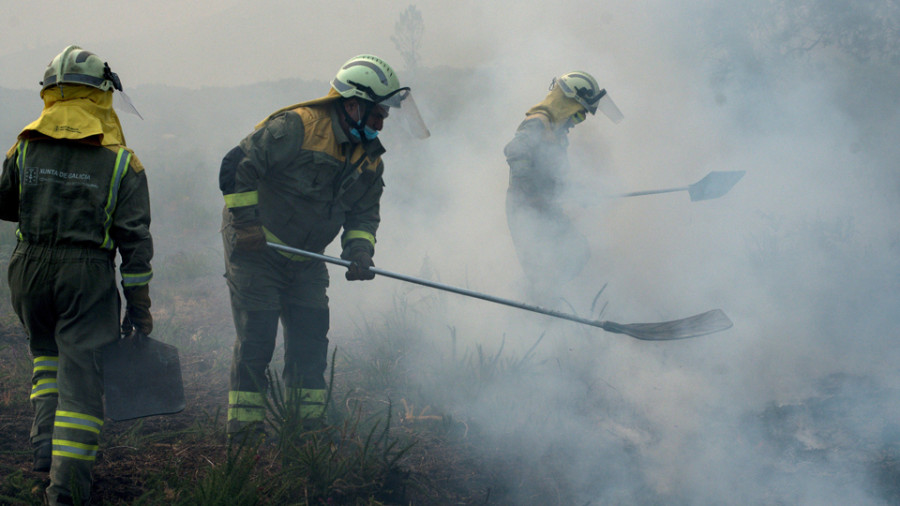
<point>802,254</point>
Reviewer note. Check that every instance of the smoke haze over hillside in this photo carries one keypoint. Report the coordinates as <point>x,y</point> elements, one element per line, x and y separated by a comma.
<point>803,253</point>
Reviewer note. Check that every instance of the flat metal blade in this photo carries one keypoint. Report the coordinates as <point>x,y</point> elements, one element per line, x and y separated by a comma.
<point>714,185</point>
<point>709,322</point>
<point>141,377</point>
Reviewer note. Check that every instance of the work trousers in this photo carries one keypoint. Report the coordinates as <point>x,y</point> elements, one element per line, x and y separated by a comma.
<point>266,287</point>
<point>67,300</point>
<point>550,249</point>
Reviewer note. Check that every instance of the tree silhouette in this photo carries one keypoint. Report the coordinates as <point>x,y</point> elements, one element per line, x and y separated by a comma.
<point>865,30</point>
<point>408,32</point>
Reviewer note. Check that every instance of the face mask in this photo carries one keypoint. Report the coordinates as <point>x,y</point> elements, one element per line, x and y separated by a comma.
<point>369,132</point>
<point>578,117</point>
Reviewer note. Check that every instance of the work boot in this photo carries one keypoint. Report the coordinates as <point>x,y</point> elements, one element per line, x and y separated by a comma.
<point>43,454</point>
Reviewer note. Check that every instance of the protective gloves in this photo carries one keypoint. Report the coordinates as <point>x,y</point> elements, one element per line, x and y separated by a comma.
<point>137,310</point>
<point>360,261</point>
<point>128,331</point>
<point>249,237</point>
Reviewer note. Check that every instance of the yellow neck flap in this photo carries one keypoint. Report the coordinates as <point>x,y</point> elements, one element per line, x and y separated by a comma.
<point>78,112</point>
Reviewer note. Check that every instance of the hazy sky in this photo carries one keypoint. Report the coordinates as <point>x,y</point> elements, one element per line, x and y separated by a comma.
<point>802,254</point>
<point>238,42</point>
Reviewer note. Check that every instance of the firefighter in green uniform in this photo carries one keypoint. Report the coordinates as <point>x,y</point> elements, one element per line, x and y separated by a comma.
<point>551,250</point>
<point>79,195</point>
<point>306,172</point>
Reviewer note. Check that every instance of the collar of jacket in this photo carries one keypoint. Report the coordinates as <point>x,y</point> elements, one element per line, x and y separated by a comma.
<point>77,112</point>
<point>557,106</point>
<point>332,96</point>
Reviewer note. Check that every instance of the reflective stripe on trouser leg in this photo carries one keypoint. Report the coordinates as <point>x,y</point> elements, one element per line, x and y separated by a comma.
<point>312,401</point>
<point>44,396</point>
<point>81,284</point>
<point>245,408</point>
<point>253,349</point>
<point>76,439</point>
<point>306,358</point>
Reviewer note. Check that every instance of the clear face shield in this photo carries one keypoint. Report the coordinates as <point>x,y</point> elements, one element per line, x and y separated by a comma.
<point>602,101</point>
<point>608,108</point>
<point>121,101</point>
<point>403,107</point>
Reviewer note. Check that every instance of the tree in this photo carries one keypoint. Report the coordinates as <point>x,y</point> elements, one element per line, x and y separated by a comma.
<point>408,32</point>
<point>866,30</point>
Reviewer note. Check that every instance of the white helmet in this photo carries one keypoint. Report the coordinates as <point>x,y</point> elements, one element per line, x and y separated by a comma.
<point>583,88</point>
<point>75,65</point>
<point>78,66</point>
<point>369,78</point>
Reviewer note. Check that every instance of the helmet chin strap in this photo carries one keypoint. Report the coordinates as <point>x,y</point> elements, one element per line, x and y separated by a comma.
<point>365,108</point>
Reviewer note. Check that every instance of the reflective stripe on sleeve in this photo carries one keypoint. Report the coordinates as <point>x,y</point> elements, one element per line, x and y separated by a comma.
<point>356,234</point>
<point>123,158</point>
<point>140,279</point>
<point>20,162</point>
<point>244,199</point>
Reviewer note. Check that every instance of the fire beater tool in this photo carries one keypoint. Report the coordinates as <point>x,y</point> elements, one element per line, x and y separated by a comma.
<point>712,186</point>
<point>701,324</point>
<point>141,377</point>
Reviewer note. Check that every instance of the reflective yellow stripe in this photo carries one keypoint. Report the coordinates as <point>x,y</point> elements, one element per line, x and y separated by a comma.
<point>312,401</point>
<point>46,364</point>
<point>139,279</point>
<point>245,406</point>
<point>242,199</point>
<point>123,158</point>
<point>270,237</point>
<point>74,449</point>
<point>246,398</point>
<point>72,420</point>
<point>44,386</point>
<point>60,453</point>
<point>23,147</point>
<point>357,234</point>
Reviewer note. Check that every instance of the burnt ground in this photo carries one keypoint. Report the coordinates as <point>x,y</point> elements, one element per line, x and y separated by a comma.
<point>152,460</point>
<point>843,432</point>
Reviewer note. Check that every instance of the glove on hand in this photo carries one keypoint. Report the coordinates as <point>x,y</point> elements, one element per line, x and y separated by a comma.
<point>360,261</point>
<point>137,309</point>
<point>129,332</point>
<point>249,238</point>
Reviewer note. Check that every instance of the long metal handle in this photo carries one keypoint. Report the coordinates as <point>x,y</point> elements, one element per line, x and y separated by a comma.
<point>441,286</point>
<point>698,325</point>
<point>650,192</point>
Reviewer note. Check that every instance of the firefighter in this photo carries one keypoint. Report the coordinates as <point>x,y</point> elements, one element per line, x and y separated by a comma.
<point>79,196</point>
<point>304,174</point>
<point>550,249</point>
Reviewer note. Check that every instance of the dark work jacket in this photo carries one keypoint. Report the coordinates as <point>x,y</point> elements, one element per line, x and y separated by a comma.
<point>68,193</point>
<point>538,163</point>
<point>301,179</point>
